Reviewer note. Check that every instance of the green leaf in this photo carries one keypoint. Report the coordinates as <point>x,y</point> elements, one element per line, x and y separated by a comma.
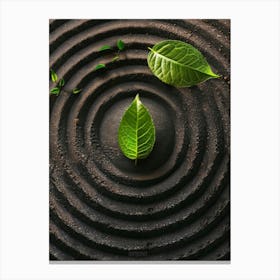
<point>115,58</point>
<point>179,64</point>
<point>120,45</point>
<point>99,66</point>
<point>105,47</point>
<point>55,90</point>
<point>61,82</point>
<point>53,76</point>
<point>136,135</point>
<point>76,90</point>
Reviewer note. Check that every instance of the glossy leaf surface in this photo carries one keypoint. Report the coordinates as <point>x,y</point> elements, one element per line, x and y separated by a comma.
<point>136,135</point>
<point>179,64</point>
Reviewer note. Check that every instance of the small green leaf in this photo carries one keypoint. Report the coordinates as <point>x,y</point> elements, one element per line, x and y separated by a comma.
<point>61,82</point>
<point>55,90</point>
<point>53,76</point>
<point>76,90</point>
<point>120,45</point>
<point>115,58</point>
<point>99,66</point>
<point>179,64</point>
<point>136,134</point>
<point>105,47</point>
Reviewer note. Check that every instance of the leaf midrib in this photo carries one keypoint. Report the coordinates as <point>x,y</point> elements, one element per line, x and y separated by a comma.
<point>137,124</point>
<point>178,63</point>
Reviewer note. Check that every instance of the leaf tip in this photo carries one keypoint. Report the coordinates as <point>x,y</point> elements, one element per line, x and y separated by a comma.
<point>214,75</point>
<point>137,98</point>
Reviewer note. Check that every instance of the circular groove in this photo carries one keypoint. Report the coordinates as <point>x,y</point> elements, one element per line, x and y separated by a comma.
<point>174,204</point>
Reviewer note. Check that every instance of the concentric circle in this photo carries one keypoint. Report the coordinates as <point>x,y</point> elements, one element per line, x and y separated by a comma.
<point>175,204</point>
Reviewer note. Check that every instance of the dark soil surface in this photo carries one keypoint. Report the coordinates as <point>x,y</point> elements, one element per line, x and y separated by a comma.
<point>174,205</point>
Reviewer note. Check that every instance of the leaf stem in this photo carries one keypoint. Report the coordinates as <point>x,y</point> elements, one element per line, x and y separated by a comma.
<point>135,162</point>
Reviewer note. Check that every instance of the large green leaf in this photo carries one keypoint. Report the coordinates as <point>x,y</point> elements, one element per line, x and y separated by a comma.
<point>179,64</point>
<point>136,134</point>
